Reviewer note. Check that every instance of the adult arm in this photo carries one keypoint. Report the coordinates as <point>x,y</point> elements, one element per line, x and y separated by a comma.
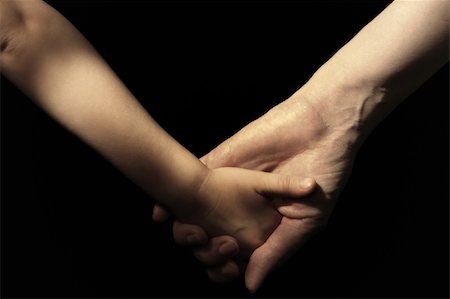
<point>384,63</point>
<point>318,130</point>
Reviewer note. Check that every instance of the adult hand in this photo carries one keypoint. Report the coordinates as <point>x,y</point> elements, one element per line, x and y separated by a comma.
<point>317,131</point>
<point>293,139</point>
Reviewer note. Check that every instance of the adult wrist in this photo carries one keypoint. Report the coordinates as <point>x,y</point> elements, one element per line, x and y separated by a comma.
<point>350,107</point>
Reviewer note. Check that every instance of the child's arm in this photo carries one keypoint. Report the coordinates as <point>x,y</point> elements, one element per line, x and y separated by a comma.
<point>47,58</point>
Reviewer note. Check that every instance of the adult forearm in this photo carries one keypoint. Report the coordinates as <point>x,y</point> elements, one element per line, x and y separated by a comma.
<point>47,58</point>
<point>385,62</point>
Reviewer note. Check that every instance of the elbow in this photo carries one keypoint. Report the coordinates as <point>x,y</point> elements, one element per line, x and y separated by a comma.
<point>22,23</point>
<point>12,27</point>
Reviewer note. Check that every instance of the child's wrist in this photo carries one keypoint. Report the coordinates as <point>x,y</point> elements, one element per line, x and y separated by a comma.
<point>190,198</point>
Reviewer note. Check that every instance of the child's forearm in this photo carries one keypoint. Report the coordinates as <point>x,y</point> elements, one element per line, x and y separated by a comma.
<point>45,56</point>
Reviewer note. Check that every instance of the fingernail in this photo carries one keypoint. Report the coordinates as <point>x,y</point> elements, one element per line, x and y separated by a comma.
<point>307,183</point>
<point>228,248</point>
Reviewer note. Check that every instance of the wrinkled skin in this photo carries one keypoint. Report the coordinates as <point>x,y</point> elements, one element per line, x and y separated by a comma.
<point>292,138</point>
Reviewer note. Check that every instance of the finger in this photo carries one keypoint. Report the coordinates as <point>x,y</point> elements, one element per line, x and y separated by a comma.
<point>289,236</point>
<point>217,251</point>
<point>221,156</point>
<point>210,161</point>
<point>189,234</point>
<point>205,159</point>
<point>276,185</point>
<point>223,273</point>
<point>160,214</point>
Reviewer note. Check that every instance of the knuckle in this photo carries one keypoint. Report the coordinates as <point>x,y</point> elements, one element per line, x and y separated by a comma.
<point>202,256</point>
<point>285,182</point>
<point>316,224</point>
<point>186,235</point>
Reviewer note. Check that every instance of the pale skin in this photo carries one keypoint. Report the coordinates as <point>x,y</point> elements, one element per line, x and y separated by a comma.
<point>49,60</point>
<point>318,130</point>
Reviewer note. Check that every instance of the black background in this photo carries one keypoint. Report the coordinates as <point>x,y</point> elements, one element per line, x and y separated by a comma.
<point>73,226</point>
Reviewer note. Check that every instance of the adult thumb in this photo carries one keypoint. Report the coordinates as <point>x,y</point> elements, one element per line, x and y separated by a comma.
<point>285,240</point>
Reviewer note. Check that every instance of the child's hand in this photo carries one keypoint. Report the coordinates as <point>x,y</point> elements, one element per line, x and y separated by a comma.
<point>238,202</point>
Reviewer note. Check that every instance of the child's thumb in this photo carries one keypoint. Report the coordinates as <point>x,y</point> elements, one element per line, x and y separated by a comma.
<point>276,185</point>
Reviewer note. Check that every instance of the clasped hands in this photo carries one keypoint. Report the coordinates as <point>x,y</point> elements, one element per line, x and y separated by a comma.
<point>244,219</point>
<point>292,138</point>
